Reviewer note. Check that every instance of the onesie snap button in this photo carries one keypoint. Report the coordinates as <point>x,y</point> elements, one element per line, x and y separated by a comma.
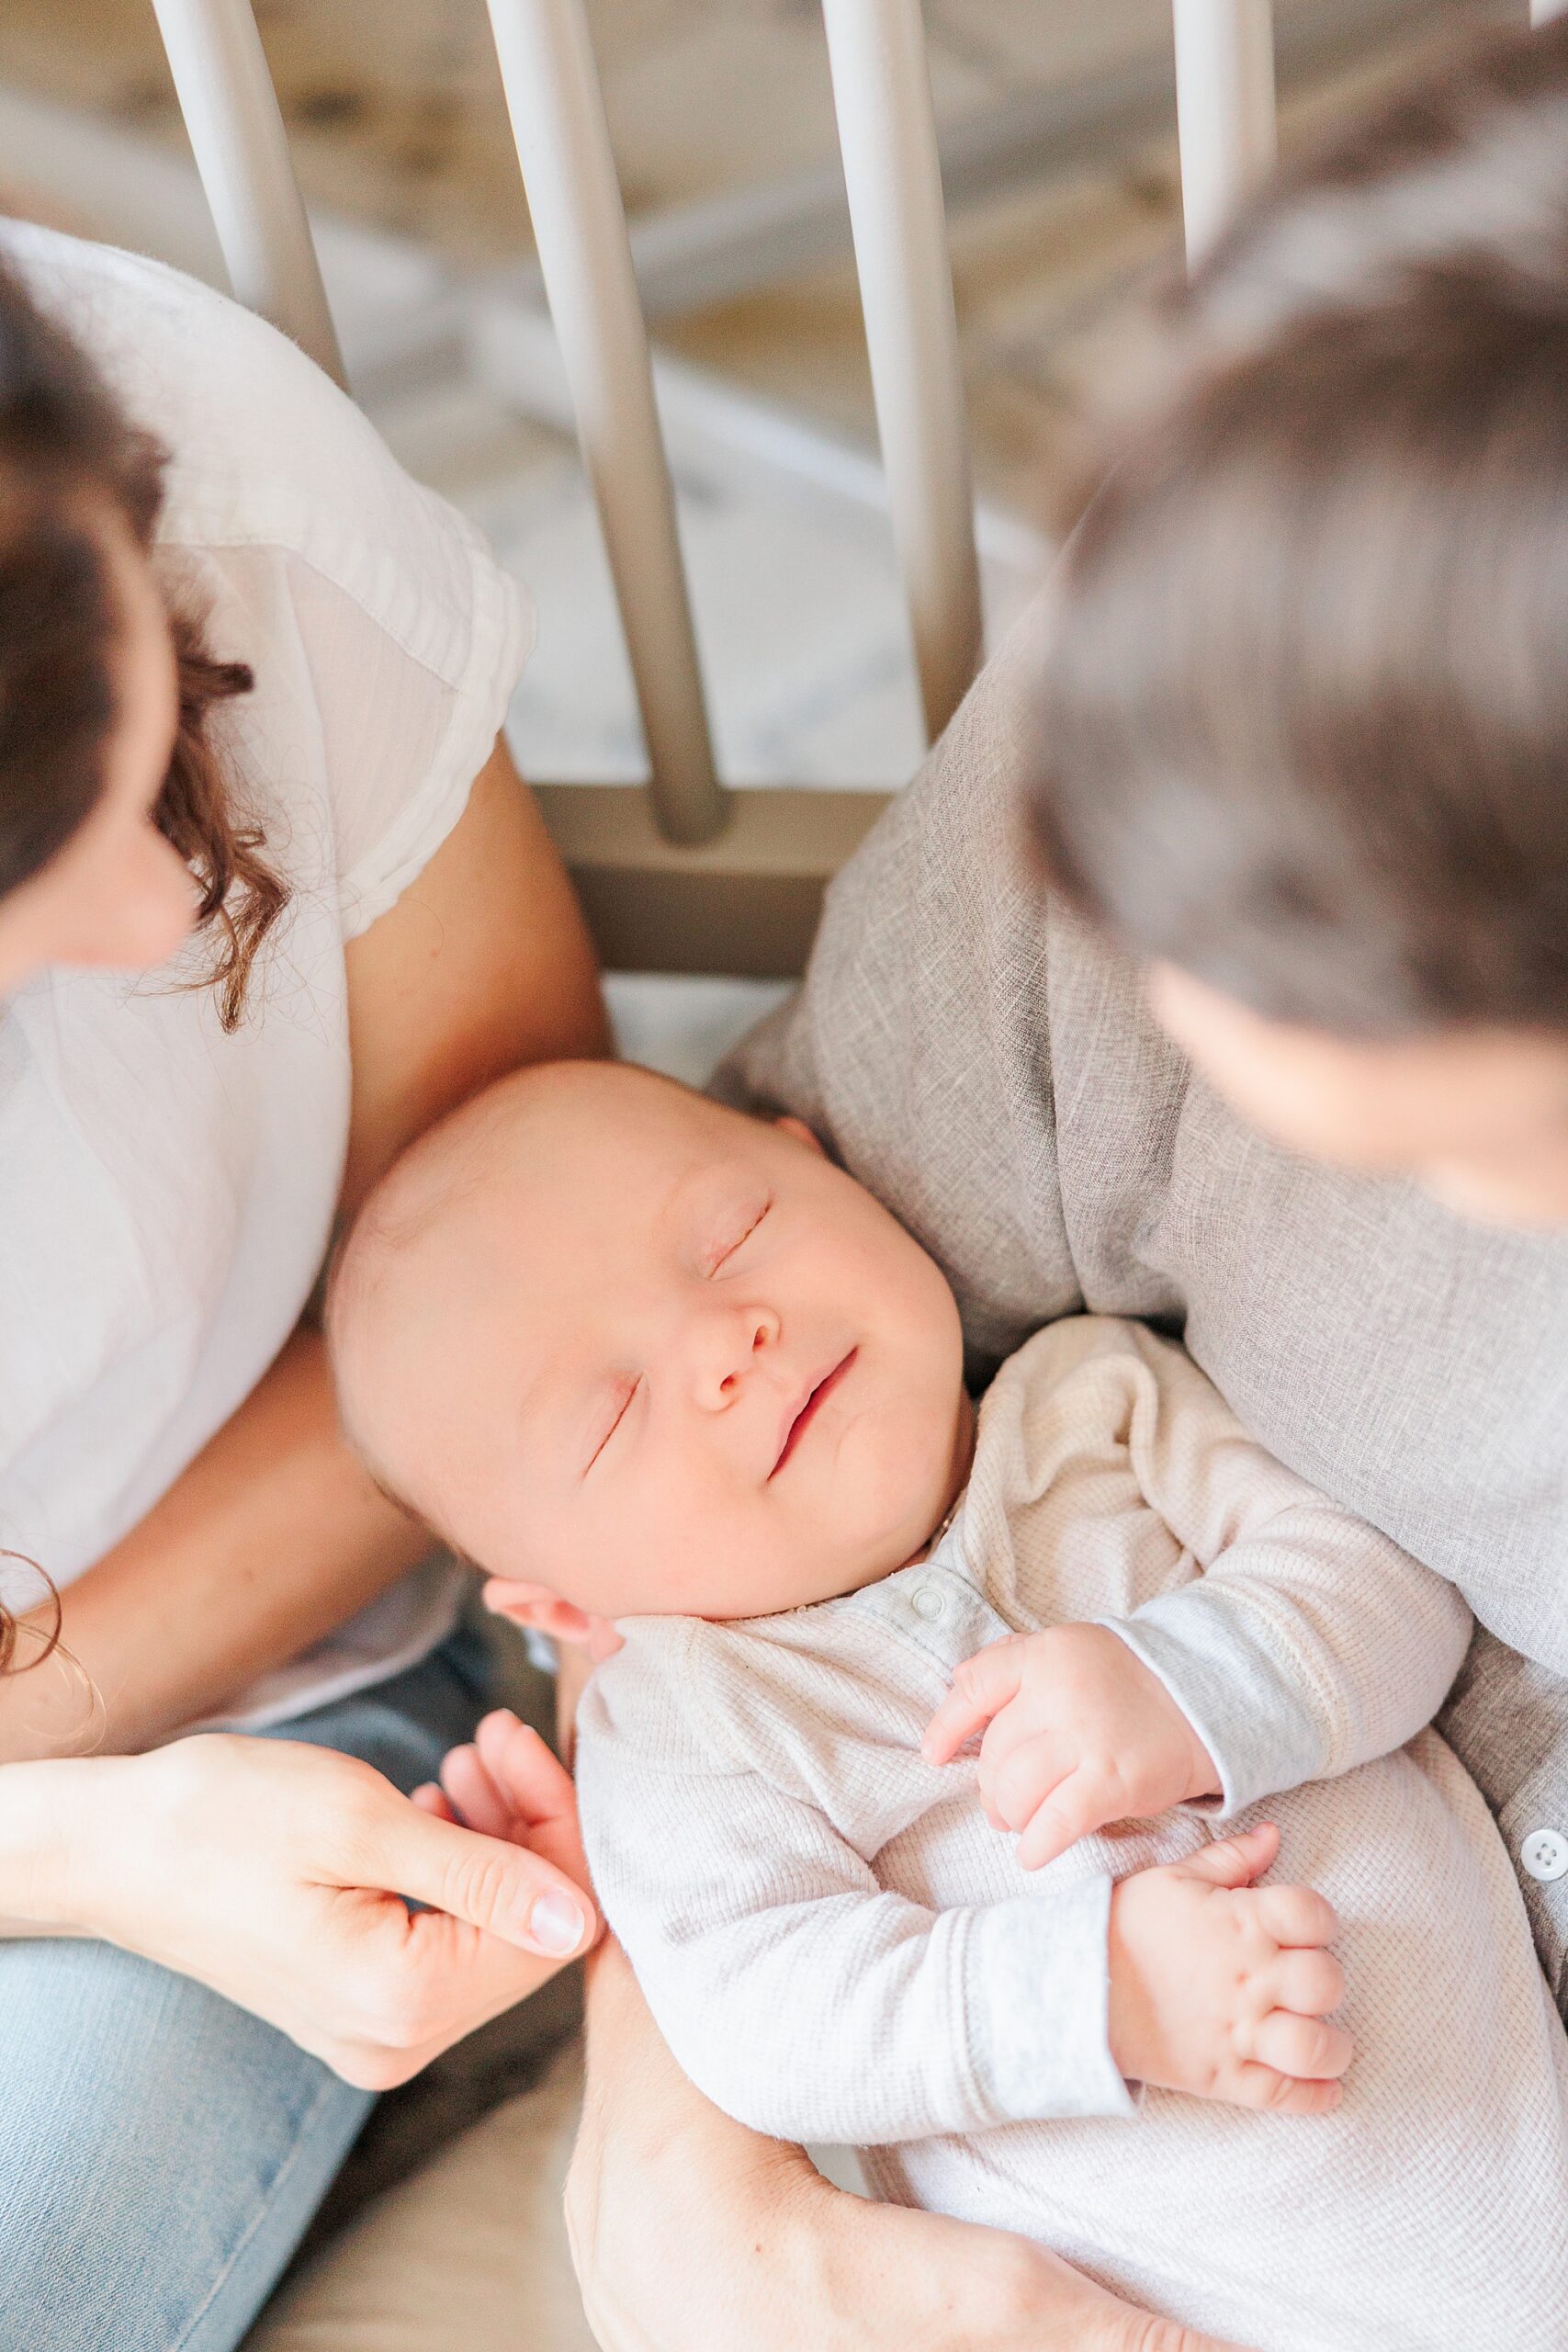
<point>1545,1854</point>
<point>927,1601</point>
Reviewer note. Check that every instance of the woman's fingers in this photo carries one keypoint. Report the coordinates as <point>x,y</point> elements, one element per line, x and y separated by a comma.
<point>426,1980</point>
<point>504,1890</point>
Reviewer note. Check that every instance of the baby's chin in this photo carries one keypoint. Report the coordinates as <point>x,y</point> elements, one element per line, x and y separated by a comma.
<point>829,1573</point>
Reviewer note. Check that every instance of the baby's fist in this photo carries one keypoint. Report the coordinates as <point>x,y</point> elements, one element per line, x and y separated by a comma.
<point>1223,1989</point>
<point>1078,1732</point>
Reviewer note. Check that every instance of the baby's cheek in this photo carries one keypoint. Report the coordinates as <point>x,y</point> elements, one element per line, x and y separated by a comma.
<point>894,1473</point>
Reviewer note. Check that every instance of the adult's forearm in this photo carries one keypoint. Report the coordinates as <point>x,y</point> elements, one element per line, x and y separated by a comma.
<point>273,1535</point>
<point>36,1805</point>
<point>688,2230</point>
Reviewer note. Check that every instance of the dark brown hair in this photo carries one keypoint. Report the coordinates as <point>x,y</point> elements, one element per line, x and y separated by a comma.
<point>68,457</point>
<point>1304,721</point>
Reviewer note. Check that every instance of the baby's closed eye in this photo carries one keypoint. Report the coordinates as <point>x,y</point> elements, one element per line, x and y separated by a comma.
<point>609,1416</point>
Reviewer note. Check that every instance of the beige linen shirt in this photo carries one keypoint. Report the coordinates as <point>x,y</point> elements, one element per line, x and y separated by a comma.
<point>838,1946</point>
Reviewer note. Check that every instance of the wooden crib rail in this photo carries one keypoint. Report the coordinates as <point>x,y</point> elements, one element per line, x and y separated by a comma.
<point>688,876</point>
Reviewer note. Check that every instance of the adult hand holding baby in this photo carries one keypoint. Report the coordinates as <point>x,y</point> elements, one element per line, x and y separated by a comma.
<point>689,2231</point>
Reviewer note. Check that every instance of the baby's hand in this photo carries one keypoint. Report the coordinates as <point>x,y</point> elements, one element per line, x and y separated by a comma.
<point>1079,1732</point>
<point>1219,1988</point>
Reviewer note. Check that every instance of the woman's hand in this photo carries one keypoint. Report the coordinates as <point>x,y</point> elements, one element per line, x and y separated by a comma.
<point>275,1873</point>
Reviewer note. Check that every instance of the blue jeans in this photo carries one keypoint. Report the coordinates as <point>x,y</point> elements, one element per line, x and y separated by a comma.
<point>162,2152</point>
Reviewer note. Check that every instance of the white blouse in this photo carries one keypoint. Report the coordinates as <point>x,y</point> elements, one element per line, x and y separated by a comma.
<point>166,1191</point>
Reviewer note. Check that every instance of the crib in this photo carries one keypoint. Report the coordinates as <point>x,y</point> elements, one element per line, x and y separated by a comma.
<point>689,874</point>
<point>686,873</point>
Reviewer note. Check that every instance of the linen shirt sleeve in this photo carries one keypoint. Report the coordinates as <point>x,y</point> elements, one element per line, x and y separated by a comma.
<point>801,1997</point>
<point>1310,1643</point>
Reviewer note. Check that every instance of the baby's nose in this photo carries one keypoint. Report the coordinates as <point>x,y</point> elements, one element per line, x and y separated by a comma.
<point>731,1341</point>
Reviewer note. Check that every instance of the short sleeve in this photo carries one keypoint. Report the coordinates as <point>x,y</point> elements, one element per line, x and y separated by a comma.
<point>385,639</point>
<point>403,734</point>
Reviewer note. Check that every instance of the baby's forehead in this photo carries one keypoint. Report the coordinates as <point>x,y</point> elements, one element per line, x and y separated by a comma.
<point>620,1145</point>
<point>615,1120</point>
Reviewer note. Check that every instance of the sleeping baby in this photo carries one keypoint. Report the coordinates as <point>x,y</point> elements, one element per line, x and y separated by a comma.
<point>926,1791</point>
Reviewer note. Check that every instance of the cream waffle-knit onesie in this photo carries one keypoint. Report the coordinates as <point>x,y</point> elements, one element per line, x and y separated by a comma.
<point>838,1946</point>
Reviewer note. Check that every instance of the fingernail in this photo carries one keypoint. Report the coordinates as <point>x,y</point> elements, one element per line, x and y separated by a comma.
<point>557,1924</point>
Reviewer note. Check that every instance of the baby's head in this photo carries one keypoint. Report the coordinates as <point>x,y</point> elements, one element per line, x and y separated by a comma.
<point>612,1339</point>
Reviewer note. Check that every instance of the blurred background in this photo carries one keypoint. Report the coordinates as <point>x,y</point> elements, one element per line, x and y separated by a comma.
<point>1056,121</point>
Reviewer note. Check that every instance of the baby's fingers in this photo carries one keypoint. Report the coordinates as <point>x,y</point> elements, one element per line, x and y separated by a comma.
<point>528,1778</point>
<point>1308,1980</point>
<point>472,1796</point>
<point>981,1688</point>
<point>1073,1809</point>
<point>1304,2047</point>
<point>1297,1915</point>
<point>1260,2086</point>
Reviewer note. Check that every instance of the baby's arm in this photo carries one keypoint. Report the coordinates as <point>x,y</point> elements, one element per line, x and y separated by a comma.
<point>1310,1643</point>
<point>811,2003</point>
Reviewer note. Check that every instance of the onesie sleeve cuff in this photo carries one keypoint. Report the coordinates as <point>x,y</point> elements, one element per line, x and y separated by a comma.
<point>1249,1713</point>
<point>1037,1992</point>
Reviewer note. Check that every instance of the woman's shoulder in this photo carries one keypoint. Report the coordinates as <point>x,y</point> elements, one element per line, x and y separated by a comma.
<point>384,638</point>
<point>265,451</point>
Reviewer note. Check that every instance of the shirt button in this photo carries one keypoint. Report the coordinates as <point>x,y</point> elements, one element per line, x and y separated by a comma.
<point>1545,1854</point>
<point>927,1601</point>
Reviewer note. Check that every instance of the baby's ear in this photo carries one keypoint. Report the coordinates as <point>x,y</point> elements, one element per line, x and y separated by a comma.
<point>537,1605</point>
<point>801,1132</point>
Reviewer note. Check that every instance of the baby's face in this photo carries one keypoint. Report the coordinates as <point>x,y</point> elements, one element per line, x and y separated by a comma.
<point>662,1358</point>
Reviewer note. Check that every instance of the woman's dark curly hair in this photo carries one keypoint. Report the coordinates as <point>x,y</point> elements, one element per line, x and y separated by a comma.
<point>69,456</point>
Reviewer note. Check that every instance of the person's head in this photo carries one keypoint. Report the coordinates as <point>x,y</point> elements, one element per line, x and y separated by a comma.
<point>616,1340</point>
<point>116,836</point>
<point>1305,729</point>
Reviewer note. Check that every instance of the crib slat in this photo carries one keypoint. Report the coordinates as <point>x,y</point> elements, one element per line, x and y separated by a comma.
<point>887,135</point>
<point>1225,107</point>
<point>236,131</point>
<point>579,228</point>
